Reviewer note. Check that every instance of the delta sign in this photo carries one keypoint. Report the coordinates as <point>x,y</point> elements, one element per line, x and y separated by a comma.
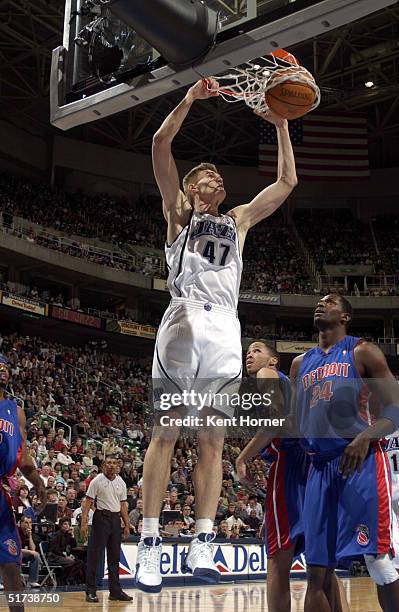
<point>231,559</point>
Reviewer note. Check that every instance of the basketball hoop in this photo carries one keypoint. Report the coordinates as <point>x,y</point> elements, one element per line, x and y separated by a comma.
<point>250,82</point>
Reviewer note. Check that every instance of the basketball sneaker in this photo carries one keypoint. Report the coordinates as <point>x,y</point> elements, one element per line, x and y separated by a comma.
<point>148,565</point>
<point>199,560</point>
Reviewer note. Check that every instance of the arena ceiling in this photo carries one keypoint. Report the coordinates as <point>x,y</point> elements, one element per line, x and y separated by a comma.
<point>342,61</point>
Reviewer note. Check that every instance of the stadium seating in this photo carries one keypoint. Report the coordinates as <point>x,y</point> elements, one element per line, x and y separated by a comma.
<point>273,259</point>
<point>336,237</point>
<point>98,402</point>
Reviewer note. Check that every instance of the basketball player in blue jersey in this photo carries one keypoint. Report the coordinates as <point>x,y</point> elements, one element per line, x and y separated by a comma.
<point>284,530</point>
<point>13,454</point>
<point>347,508</point>
<point>199,339</point>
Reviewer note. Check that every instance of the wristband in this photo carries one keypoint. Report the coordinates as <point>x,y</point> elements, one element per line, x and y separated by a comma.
<point>391,412</point>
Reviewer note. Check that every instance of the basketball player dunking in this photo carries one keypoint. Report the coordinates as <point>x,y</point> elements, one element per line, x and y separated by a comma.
<point>199,336</point>
<point>285,494</point>
<point>347,508</point>
<point>13,454</point>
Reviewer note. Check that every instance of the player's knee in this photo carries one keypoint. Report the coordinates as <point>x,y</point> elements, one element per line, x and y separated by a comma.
<point>381,569</point>
<point>316,578</point>
<point>163,440</point>
<point>210,446</point>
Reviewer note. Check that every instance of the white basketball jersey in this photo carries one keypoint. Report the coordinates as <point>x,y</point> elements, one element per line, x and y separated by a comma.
<point>205,262</point>
<point>393,455</point>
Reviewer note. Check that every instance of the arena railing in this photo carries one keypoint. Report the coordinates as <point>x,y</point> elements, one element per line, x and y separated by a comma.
<point>45,417</point>
<point>131,263</point>
<point>113,389</point>
<point>76,369</point>
<point>388,340</point>
<point>18,399</point>
<point>308,258</point>
<point>103,314</point>
<point>371,283</point>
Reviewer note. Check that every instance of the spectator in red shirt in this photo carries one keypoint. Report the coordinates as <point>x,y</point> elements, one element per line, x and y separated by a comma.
<point>79,446</point>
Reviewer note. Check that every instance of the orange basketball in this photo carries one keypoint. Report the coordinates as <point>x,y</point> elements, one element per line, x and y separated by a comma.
<point>291,99</point>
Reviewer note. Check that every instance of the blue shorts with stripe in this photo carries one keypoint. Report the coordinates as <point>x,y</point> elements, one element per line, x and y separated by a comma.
<point>284,500</point>
<point>345,518</point>
<point>10,543</point>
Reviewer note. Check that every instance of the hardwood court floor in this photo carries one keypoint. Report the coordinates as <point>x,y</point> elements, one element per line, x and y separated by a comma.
<point>244,597</point>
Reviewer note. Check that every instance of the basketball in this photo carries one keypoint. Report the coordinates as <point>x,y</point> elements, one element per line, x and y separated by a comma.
<point>291,99</point>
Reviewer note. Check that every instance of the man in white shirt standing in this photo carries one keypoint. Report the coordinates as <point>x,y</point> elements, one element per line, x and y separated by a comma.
<point>109,491</point>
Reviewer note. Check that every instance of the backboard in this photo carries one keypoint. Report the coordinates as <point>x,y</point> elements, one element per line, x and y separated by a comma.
<point>247,29</point>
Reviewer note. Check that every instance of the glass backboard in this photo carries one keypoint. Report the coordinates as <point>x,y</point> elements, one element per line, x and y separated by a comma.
<point>103,67</point>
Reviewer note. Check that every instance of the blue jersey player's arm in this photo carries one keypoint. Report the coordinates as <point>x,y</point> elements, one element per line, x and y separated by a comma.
<point>294,371</point>
<point>266,379</point>
<point>27,466</point>
<point>372,366</point>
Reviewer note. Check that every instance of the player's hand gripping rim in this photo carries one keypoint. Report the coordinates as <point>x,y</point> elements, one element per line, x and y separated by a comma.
<point>273,118</point>
<point>204,89</point>
<point>353,456</point>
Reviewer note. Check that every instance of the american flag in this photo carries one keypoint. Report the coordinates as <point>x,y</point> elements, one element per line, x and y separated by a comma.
<point>326,146</point>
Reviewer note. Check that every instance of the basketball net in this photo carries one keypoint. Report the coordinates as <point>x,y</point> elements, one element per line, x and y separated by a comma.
<point>251,81</point>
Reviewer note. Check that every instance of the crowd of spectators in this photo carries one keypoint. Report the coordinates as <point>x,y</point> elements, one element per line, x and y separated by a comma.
<point>386,231</point>
<point>82,404</point>
<point>335,237</point>
<point>272,261</point>
<point>278,332</point>
<point>100,216</point>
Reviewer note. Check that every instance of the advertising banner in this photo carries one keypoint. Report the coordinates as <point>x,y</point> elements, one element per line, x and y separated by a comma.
<point>259,298</point>
<point>73,316</point>
<point>131,329</point>
<point>231,559</point>
<point>287,346</point>
<point>24,303</point>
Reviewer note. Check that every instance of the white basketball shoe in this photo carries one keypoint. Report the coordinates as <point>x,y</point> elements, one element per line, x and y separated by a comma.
<point>199,560</point>
<point>148,565</point>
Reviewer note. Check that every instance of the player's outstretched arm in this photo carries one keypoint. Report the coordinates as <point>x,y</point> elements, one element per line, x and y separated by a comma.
<point>266,382</point>
<point>164,165</point>
<point>27,466</point>
<point>372,366</point>
<point>272,197</point>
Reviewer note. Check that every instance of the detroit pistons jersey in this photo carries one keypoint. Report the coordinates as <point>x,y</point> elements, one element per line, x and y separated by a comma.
<point>204,261</point>
<point>10,438</point>
<point>332,399</point>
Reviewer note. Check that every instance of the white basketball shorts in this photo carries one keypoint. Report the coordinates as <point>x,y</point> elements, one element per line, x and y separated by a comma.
<point>198,357</point>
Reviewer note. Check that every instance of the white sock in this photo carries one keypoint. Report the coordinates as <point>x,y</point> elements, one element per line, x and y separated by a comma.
<point>203,525</point>
<point>150,528</point>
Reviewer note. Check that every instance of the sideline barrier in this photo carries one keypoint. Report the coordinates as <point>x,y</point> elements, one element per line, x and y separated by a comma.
<point>238,559</point>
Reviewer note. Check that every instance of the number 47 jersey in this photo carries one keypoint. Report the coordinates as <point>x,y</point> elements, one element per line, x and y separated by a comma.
<point>204,261</point>
<point>198,346</point>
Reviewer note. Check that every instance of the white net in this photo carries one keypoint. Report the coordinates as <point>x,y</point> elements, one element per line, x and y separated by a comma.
<point>250,82</point>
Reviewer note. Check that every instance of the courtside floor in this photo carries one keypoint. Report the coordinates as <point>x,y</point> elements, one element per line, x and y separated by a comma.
<point>242,597</point>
